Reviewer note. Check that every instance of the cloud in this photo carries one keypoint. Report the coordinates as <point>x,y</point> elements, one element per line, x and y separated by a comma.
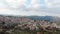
<point>15,3</point>
<point>26,13</point>
<point>2,6</point>
<point>52,3</point>
<point>23,13</point>
<point>32,7</point>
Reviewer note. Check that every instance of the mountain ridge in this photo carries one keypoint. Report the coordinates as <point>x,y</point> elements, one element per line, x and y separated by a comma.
<point>37,17</point>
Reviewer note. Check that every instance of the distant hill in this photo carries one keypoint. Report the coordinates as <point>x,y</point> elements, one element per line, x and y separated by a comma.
<point>50,18</point>
<point>54,18</point>
<point>39,17</point>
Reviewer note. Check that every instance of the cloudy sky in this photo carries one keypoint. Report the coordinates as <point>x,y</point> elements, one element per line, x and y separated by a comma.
<point>30,7</point>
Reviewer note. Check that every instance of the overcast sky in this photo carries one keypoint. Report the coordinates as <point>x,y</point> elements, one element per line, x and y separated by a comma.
<point>30,7</point>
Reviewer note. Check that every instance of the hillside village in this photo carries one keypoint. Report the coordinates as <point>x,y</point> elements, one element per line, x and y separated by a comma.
<point>31,24</point>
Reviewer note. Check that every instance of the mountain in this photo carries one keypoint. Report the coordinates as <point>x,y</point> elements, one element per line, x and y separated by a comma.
<point>54,18</point>
<point>39,17</point>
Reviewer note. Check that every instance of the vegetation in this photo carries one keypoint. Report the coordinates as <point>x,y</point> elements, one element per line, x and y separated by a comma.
<point>13,30</point>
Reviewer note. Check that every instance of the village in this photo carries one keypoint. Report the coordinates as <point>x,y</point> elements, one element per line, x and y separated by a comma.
<point>23,23</point>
